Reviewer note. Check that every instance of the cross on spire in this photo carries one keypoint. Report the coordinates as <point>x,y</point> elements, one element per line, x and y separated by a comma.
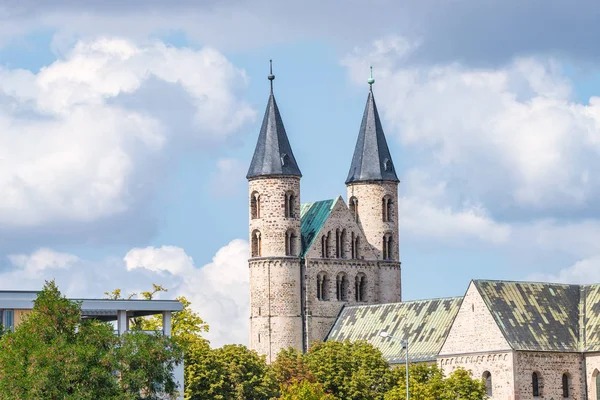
<point>271,77</point>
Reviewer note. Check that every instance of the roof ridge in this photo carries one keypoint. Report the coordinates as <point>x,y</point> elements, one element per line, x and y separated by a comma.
<point>405,302</point>
<point>531,282</point>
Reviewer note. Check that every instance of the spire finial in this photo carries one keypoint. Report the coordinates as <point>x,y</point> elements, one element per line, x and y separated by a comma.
<point>371,81</point>
<point>271,77</point>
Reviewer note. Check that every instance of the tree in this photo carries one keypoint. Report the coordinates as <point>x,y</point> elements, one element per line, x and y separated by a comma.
<point>52,354</point>
<point>461,385</point>
<point>231,372</point>
<point>305,390</point>
<point>290,367</point>
<point>427,382</point>
<point>185,324</point>
<point>350,370</point>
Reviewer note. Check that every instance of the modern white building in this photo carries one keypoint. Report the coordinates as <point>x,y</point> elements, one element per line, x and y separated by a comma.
<point>14,304</point>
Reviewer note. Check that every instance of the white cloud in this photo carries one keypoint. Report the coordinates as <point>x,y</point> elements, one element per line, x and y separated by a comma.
<point>509,138</point>
<point>219,291</point>
<point>582,272</point>
<point>84,138</point>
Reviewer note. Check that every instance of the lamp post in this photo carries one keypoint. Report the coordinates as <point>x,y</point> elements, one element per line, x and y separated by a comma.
<point>405,347</point>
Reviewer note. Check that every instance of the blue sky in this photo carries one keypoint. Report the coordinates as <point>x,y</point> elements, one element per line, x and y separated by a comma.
<point>125,137</point>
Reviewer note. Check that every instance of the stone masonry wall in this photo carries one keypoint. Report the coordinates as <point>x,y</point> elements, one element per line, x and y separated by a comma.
<point>474,329</point>
<point>275,309</point>
<point>272,223</point>
<point>550,368</point>
<point>592,367</point>
<point>370,213</point>
<point>498,364</point>
<point>340,218</point>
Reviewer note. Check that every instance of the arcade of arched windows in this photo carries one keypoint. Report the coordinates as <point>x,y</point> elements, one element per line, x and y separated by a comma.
<point>387,209</point>
<point>342,287</point>
<point>291,247</point>
<point>344,248</point>
<point>254,205</point>
<point>290,200</point>
<point>256,247</point>
<point>388,246</point>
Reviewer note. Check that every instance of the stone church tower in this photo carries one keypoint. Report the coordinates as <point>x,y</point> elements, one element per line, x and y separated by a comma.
<point>309,260</point>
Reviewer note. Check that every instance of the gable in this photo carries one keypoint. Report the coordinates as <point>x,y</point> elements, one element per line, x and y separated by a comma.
<point>312,217</point>
<point>474,328</point>
<point>327,216</point>
<point>424,323</point>
<point>534,316</point>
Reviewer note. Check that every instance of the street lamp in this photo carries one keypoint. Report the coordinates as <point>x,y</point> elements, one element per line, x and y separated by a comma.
<point>404,343</point>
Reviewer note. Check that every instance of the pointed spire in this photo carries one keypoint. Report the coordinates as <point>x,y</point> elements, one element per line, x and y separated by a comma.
<point>372,160</point>
<point>273,154</point>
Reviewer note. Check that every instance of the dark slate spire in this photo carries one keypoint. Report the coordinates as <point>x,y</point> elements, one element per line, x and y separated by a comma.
<point>273,154</point>
<point>372,160</point>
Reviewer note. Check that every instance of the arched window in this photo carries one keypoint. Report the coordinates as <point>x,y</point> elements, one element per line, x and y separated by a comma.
<point>343,244</point>
<point>487,379</point>
<point>352,246</point>
<point>596,376</point>
<point>354,207</point>
<point>256,243</point>
<point>565,385</point>
<point>341,287</point>
<point>356,247</point>
<point>322,286</point>
<point>255,205</point>
<point>535,384</point>
<point>290,243</point>
<point>386,208</point>
<point>290,199</point>
<point>338,243</point>
<point>387,247</point>
<point>360,287</point>
<point>323,247</point>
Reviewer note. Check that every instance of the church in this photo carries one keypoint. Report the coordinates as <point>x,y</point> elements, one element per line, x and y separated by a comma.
<point>330,270</point>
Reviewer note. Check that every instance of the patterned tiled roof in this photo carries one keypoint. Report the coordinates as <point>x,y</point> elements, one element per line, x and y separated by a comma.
<point>424,323</point>
<point>590,324</point>
<point>313,216</point>
<point>535,316</point>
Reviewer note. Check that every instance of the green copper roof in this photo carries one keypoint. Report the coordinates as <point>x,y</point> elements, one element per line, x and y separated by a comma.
<point>534,316</point>
<point>313,216</point>
<point>424,323</point>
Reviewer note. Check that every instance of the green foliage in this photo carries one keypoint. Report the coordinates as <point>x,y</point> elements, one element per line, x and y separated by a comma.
<point>185,324</point>
<point>350,370</point>
<point>52,354</point>
<point>230,372</point>
<point>426,382</point>
<point>305,390</point>
<point>461,385</point>
<point>290,367</point>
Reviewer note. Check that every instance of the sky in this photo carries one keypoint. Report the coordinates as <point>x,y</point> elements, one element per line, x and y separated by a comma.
<point>126,131</point>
